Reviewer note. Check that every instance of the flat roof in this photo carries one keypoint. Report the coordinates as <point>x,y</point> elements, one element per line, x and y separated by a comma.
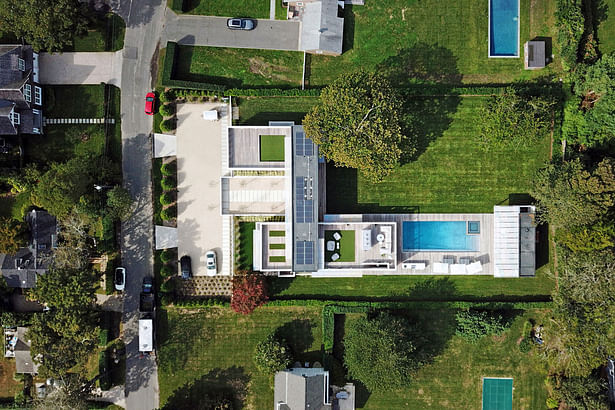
<point>513,241</point>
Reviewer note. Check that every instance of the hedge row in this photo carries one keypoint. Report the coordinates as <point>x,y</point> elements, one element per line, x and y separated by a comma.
<point>202,303</point>
<point>272,92</point>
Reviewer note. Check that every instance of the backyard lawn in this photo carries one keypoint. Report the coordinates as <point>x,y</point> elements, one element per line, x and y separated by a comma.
<point>258,9</point>
<point>433,40</point>
<point>261,110</point>
<point>239,67</point>
<point>213,349</point>
<point>453,172</point>
<point>8,386</point>
<point>606,29</point>
<point>454,379</point>
<point>417,288</point>
<point>271,148</point>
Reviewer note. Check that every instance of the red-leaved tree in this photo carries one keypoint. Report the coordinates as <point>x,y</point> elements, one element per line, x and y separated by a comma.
<point>249,292</point>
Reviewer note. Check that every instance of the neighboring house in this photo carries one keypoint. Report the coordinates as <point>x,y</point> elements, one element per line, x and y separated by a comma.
<point>21,96</point>
<point>308,389</point>
<point>17,345</point>
<point>21,269</point>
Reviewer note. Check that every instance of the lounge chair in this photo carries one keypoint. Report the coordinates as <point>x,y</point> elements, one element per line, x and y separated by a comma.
<point>335,257</point>
<point>337,236</point>
<point>440,268</point>
<point>330,246</point>
<point>448,259</point>
<point>465,260</point>
<point>474,268</point>
<point>458,269</point>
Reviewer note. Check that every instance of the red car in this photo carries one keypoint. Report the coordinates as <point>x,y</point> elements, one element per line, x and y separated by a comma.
<point>150,102</point>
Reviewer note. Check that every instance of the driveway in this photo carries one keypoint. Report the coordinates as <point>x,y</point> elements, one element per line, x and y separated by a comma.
<point>81,68</point>
<point>199,221</point>
<point>212,31</point>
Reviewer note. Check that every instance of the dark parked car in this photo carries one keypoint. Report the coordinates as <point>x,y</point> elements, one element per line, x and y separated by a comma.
<point>120,279</point>
<point>240,24</point>
<point>186,267</point>
<point>148,284</point>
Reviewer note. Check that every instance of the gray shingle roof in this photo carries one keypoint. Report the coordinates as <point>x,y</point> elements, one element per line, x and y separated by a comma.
<point>301,389</point>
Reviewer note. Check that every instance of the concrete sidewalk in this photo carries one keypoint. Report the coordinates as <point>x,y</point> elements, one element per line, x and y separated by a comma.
<point>212,31</point>
<point>81,68</point>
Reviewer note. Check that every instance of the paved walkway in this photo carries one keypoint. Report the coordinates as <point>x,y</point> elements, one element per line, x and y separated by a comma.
<point>51,121</point>
<point>272,9</point>
<point>212,31</point>
<point>81,68</point>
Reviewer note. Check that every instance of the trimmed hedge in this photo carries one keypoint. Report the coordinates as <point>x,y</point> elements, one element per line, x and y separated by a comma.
<point>168,183</point>
<point>166,271</point>
<point>166,198</point>
<point>169,213</point>
<point>166,110</point>
<point>272,92</point>
<point>203,303</point>
<point>169,169</point>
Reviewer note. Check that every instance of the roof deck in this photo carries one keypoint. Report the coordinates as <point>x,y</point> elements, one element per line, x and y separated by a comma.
<point>244,147</point>
<point>272,247</point>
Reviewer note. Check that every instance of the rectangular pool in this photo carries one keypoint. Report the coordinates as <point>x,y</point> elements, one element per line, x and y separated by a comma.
<point>438,236</point>
<point>504,28</point>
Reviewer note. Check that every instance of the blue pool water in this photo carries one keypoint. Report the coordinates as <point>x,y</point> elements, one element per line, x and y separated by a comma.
<point>504,28</point>
<point>437,236</point>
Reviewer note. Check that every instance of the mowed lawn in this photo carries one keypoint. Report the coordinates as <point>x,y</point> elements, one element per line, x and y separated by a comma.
<point>454,379</point>
<point>261,110</point>
<point>417,288</point>
<point>452,174</point>
<point>8,386</point>
<point>214,348</point>
<point>239,67</point>
<point>258,9</point>
<point>433,40</point>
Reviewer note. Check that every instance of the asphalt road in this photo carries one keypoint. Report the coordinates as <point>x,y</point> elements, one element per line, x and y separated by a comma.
<point>212,31</point>
<point>144,22</point>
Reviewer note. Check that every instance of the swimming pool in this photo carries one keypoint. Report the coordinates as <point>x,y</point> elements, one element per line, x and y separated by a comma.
<point>438,236</point>
<point>504,28</point>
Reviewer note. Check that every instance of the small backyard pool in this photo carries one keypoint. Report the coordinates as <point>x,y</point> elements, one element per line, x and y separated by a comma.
<point>440,236</point>
<point>504,28</point>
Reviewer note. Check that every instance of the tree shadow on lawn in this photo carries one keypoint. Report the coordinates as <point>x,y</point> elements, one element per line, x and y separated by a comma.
<point>298,335</point>
<point>216,386</point>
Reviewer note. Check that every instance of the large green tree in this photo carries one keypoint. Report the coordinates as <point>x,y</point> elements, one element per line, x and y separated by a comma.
<point>48,25</point>
<point>357,124</point>
<point>272,355</point>
<point>513,118</point>
<point>12,235</point>
<point>569,195</point>
<point>380,352</point>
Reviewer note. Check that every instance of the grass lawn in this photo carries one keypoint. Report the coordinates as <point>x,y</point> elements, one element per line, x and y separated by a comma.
<point>454,379</point>
<point>433,40</point>
<point>104,34</point>
<point>246,240</point>
<point>411,287</point>
<point>258,9</point>
<point>274,259</point>
<point>239,67</point>
<point>452,174</point>
<point>8,386</point>
<point>277,233</point>
<point>213,348</point>
<point>271,147</point>
<point>346,250</point>
<point>261,110</point>
<point>606,29</point>
<point>74,101</point>
<point>280,12</point>
<point>62,142</point>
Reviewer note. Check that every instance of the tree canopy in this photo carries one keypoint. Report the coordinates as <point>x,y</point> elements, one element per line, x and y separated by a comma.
<point>357,124</point>
<point>272,355</point>
<point>380,352</point>
<point>515,119</point>
<point>12,235</point>
<point>47,25</point>
<point>569,195</point>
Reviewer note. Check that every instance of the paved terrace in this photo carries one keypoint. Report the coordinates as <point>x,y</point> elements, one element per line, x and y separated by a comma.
<point>484,255</point>
<point>266,252</point>
<point>253,195</point>
<point>244,146</point>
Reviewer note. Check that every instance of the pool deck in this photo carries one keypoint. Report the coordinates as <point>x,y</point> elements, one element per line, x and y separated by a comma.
<point>429,258</point>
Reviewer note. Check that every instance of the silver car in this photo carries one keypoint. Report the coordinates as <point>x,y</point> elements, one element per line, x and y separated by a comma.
<point>240,24</point>
<point>210,259</point>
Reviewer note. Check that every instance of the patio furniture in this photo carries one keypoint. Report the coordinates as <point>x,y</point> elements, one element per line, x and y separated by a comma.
<point>448,259</point>
<point>211,115</point>
<point>335,257</point>
<point>366,235</point>
<point>440,268</point>
<point>474,268</point>
<point>458,269</point>
<point>330,246</point>
<point>337,245</point>
<point>337,236</point>
<point>380,237</point>
<point>465,260</point>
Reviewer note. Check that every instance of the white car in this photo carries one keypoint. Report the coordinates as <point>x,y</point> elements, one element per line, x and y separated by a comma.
<point>210,259</point>
<point>120,279</point>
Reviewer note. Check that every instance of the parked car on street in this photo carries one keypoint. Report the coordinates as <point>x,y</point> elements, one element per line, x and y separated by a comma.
<point>148,284</point>
<point>150,103</point>
<point>240,24</point>
<point>210,259</point>
<point>119,279</point>
<point>186,267</point>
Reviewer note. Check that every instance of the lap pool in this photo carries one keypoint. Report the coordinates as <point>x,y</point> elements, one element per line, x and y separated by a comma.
<point>433,236</point>
<point>504,28</point>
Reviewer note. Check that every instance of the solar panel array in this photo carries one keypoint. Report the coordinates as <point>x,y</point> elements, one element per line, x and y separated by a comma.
<point>305,253</point>
<point>303,146</point>
<point>304,207</point>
